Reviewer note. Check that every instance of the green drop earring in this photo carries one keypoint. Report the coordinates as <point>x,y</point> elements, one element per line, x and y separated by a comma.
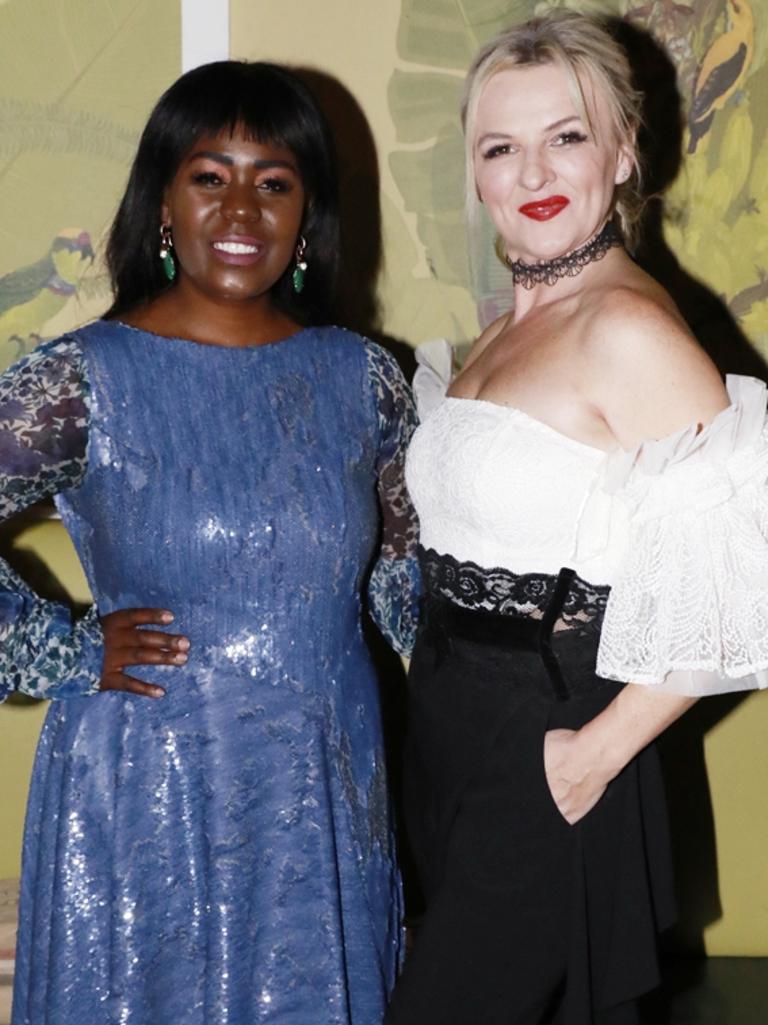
<point>166,251</point>
<point>300,270</point>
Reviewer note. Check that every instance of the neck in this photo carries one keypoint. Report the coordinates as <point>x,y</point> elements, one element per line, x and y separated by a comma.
<point>567,276</point>
<point>229,323</point>
<point>548,273</point>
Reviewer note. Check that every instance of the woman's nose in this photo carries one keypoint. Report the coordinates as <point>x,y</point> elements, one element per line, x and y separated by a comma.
<point>536,171</point>
<point>241,203</point>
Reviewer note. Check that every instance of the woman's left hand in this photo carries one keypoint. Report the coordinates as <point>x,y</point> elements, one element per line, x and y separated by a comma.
<point>575,782</point>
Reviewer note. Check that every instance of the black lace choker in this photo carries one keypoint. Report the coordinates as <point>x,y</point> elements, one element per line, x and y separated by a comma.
<point>548,272</point>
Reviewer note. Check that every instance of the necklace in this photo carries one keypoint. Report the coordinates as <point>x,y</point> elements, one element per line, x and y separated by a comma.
<point>547,272</point>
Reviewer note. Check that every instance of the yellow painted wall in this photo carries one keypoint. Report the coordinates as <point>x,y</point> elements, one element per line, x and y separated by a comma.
<point>737,760</point>
<point>77,80</point>
<point>402,62</point>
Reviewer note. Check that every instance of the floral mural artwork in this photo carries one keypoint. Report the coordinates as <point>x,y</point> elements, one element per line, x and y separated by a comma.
<point>714,210</point>
<point>717,205</point>
<point>33,295</point>
<point>70,104</point>
<point>722,70</point>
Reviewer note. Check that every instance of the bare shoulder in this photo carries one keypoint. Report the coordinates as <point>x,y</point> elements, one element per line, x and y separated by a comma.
<point>483,340</point>
<point>648,375</point>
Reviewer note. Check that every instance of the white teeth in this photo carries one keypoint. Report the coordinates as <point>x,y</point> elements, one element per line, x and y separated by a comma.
<point>236,248</point>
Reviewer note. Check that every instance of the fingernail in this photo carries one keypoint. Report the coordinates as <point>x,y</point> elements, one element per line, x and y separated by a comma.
<point>158,693</point>
<point>183,644</point>
<point>166,617</point>
<point>181,658</point>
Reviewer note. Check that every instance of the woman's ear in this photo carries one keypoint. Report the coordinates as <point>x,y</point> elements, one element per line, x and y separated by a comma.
<point>625,161</point>
<point>165,213</point>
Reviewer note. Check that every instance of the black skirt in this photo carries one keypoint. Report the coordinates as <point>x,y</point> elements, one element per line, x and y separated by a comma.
<point>529,920</point>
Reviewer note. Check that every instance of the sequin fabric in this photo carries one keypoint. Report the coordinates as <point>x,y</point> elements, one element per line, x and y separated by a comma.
<point>224,856</point>
<point>43,437</point>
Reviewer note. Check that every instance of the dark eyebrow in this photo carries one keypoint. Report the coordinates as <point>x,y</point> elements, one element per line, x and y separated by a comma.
<point>260,165</point>
<point>210,154</point>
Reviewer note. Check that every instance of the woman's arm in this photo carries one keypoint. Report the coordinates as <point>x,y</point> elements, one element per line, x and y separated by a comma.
<point>44,410</point>
<point>581,763</point>
<point>394,587</point>
<point>44,424</point>
<point>649,378</point>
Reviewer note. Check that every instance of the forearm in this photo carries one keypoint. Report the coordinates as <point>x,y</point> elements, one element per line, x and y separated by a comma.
<point>44,424</point>
<point>42,652</point>
<point>630,722</point>
<point>393,599</point>
<point>581,763</point>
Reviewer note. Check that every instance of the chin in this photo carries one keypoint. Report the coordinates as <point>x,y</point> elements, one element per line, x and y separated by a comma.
<point>541,252</point>
<point>552,244</point>
<point>236,291</point>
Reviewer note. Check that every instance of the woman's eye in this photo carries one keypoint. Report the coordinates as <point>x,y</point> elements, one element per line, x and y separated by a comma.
<point>499,150</point>
<point>569,138</point>
<point>207,178</point>
<point>274,185</point>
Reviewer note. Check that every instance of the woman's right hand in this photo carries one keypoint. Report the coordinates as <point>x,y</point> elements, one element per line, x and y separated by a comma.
<point>575,776</point>
<point>127,642</point>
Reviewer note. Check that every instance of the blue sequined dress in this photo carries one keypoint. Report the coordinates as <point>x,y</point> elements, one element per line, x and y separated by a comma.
<point>222,856</point>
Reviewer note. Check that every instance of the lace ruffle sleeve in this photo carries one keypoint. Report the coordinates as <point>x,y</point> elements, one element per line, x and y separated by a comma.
<point>433,376</point>
<point>44,415</point>
<point>394,586</point>
<point>688,610</point>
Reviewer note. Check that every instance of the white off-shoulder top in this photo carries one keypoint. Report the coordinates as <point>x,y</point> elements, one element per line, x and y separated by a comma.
<point>677,527</point>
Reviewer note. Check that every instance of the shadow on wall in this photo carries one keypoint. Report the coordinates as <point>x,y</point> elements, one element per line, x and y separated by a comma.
<point>362,254</point>
<point>661,148</point>
<point>693,844</point>
<point>362,259</point>
<point>710,320</point>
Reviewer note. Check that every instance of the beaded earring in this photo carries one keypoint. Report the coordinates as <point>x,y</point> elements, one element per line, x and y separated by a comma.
<point>166,251</point>
<point>301,265</point>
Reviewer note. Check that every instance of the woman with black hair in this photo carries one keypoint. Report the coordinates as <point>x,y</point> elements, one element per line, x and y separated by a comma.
<point>222,460</point>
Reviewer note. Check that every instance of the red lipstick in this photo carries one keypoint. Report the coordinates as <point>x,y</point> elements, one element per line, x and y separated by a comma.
<point>544,209</point>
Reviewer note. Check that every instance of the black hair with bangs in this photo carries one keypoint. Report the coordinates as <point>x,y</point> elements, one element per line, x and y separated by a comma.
<point>271,105</point>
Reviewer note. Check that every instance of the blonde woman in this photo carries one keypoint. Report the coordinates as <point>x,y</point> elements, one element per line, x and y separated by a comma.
<point>593,541</point>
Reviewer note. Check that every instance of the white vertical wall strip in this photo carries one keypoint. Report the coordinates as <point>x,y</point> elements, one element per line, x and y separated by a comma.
<point>204,32</point>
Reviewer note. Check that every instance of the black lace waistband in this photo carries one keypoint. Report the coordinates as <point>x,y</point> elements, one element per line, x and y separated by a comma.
<point>500,591</point>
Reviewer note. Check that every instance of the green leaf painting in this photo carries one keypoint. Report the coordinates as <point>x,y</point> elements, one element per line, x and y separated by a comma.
<point>47,128</point>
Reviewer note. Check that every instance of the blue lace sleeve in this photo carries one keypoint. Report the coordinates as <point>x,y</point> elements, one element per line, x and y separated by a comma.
<point>394,587</point>
<point>44,413</point>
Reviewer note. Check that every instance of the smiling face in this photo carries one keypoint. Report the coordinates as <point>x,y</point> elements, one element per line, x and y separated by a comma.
<point>546,176</point>
<point>235,208</point>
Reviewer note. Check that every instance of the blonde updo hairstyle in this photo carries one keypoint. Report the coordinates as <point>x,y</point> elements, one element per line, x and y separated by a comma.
<point>589,55</point>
